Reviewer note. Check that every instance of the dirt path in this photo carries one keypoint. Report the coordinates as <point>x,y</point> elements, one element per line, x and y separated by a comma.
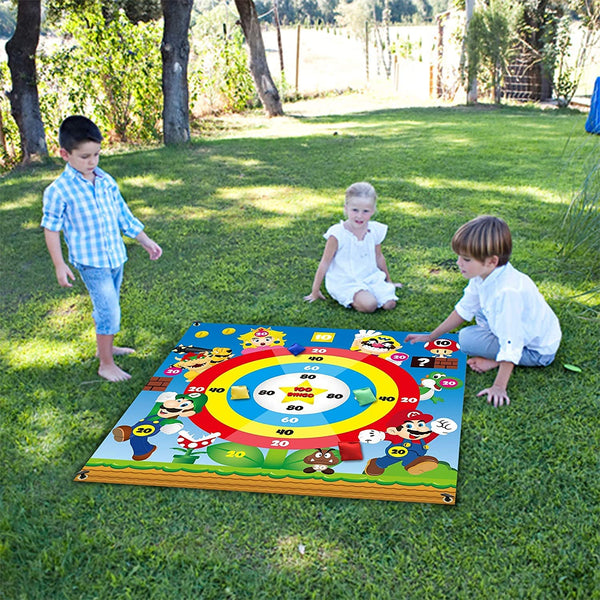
<point>376,97</point>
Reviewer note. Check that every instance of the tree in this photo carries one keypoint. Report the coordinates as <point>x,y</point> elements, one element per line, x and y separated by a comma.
<point>491,39</point>
<point>471,83</point>
<point>259,68</point>
<point>384,45</point>
<point>567,74</point>
<point>148,10</point>
<point>175,50</point>
<point>136,10</point>
<point>356,16</point>
<point>537,35</point>
<point>24,99</point>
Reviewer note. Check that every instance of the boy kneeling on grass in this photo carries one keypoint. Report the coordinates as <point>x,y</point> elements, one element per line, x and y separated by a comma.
<point>85,203</point>
<point>514,324</point>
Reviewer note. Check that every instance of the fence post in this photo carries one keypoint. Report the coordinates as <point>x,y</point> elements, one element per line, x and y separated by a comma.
<point>297,57</point>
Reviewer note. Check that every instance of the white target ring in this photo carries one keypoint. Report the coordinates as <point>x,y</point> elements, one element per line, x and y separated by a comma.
<point>315,395</point>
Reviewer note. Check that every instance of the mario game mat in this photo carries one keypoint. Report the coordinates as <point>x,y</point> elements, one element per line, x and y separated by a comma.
<point>294,410</point>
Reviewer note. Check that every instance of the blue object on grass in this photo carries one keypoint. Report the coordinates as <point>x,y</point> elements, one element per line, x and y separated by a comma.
<point>592,125</point>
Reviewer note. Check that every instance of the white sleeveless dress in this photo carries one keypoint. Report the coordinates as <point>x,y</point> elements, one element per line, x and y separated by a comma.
<point>354,266</point>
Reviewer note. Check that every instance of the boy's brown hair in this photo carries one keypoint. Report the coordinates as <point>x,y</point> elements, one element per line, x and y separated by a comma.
<point>484,237</point>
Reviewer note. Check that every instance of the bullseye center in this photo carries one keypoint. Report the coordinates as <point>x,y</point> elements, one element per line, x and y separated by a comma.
<point>307,393</point>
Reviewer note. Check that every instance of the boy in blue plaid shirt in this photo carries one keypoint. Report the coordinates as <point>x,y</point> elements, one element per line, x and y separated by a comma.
<point>86,205</point>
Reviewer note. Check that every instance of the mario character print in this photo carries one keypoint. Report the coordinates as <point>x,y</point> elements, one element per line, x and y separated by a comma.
<point>442,347</point>
<point>198,362</point>
<point>321,461</point>
<point>409,443</point>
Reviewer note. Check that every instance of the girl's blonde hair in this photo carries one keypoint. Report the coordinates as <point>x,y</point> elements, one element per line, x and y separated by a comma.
<point>484,237</point>
<point>362,189</point>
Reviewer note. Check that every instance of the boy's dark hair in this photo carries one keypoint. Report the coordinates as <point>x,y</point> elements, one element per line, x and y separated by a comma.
<point>484,237</point>
<point>76,130</point>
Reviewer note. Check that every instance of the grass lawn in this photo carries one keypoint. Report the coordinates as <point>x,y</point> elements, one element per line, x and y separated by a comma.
<point>240,215</point>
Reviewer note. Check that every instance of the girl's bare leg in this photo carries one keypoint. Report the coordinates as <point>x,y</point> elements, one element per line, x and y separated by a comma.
<point>364,301</point>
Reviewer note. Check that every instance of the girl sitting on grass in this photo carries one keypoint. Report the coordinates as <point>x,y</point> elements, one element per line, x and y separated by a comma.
<point>353,264</point>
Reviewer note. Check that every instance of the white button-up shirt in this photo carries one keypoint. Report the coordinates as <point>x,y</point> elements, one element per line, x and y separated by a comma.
<point>510,305</point>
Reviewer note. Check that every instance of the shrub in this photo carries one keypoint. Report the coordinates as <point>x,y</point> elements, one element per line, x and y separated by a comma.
<point>108,71</point>
<point>219,76</point>
<point>490,41</point>
<point>581,225</point>
<point>9,133</point>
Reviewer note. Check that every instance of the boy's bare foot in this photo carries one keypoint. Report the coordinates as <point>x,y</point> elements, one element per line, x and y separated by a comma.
<point>113,373</point>
<point>481,365</point>
<point>120,351</point>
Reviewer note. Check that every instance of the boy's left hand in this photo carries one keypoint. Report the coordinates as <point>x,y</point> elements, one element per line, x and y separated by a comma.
<point>496,395</point>
<point>154,250</point>
<point>149,245</point>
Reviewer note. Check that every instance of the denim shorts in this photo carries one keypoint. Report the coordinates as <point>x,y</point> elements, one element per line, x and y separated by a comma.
<point>104,286</point>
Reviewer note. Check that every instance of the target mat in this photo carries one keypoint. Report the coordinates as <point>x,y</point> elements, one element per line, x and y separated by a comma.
<point>295,410</point>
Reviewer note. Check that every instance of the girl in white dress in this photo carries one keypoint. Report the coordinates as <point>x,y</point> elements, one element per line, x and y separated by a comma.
<point>353,264</point>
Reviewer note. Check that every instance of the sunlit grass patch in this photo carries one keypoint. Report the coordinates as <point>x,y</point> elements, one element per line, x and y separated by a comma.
<point>144,182</point>
<point>40,353</point>
<point>281,200</point>
<point>27,200</point>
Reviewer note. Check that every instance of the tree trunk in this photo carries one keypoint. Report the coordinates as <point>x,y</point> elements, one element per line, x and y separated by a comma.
<point>24,99</point>
<point>259,68</point>
<point>497,83</point>
<point>546,85</point>
<point>175,50</point>
<point>471,85</point>
<point>279,44</point>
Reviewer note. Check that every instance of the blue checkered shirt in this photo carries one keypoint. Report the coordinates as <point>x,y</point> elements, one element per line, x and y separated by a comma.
<point>92,217</point>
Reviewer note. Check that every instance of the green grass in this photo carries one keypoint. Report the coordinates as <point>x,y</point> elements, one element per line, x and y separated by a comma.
<point>240,216</point>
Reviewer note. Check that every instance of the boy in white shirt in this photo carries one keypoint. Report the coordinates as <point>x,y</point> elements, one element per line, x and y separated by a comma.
<point>514,324</point>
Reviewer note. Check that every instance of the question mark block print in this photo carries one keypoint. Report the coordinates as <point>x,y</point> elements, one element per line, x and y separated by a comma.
<point>425,362</point>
